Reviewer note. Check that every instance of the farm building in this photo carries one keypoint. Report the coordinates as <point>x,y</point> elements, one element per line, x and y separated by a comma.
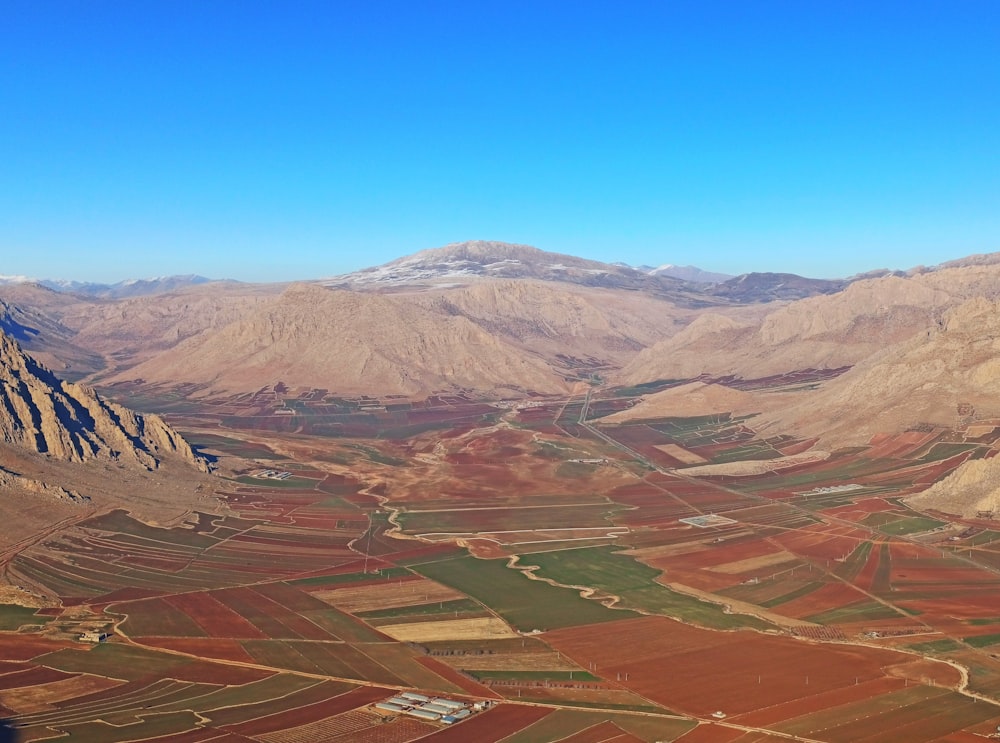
<point>414,697</point>
<point>94,636</point>
<point>449,703</point>
<point>455,716</point>
<point>438,709</point>
<point>422,714</point>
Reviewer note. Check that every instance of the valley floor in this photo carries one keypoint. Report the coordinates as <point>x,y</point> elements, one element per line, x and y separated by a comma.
<point>566,578</point>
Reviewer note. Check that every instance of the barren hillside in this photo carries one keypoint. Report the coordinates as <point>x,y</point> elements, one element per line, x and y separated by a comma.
<point>549,320</point>
<point>819,332</point>
<point>927,379</point>
<point>348,342</point>
<point>694,399</point>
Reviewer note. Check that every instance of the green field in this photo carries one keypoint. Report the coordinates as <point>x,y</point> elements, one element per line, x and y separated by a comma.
<point>912,525</point>
<point>935,646</point>
<point>12,617</point>
<point>114,661</point>
<point>333,580</point>
<point>853,564</point>
<point>982,641</point>
<point>859,611</point>
<point>614,573</point>
<point>526,604</point>
<point>228,445</point>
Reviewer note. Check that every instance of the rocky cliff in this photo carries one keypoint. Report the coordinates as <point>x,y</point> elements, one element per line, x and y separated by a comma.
<point>42,413</point>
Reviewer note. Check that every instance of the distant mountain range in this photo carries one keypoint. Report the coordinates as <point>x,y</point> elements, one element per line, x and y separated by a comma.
<point>118,290</point>
<point>687,273</point>
<point>469,262</point>
<point>501,319</point>
<point>464,262</point>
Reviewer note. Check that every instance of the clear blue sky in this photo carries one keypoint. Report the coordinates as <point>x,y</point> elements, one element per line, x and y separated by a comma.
<point>279,140</point>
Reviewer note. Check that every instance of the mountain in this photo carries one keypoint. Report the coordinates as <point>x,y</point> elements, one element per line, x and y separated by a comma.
<point>487,316</point>
<point>43,414</point>
<point>692,274</point>
<point>554,321</point>
<point>968,491</point>
<point>829,331</point>
<point>41,331</point>
<point>691,399</point>
<point>771,287</point>
<point>118,290</point>
<point>467,262</point>
<point>938,377</point>
<point>349,342</point>
<point>81,336</point>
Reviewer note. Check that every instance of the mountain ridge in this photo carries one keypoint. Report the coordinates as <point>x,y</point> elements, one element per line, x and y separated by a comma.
<point>43,414</point>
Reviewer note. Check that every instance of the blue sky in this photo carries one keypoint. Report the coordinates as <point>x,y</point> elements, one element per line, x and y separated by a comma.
<point>283,140</point>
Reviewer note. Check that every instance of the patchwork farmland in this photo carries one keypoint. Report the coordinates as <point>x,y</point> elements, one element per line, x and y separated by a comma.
<point>574,580</point>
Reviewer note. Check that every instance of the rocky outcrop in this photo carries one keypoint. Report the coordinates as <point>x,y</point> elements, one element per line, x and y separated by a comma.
<point>14,481</point>
<point>42,413</point>
<point>968,491</point>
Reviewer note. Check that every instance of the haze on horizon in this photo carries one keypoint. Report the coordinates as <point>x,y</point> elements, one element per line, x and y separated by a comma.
<point>276,142</point>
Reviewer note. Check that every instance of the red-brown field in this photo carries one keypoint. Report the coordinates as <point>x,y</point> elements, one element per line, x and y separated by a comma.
<point>203,672</point>
<point>493,725</point>
<point>215,618</point>
<point>26,647</point>
<point>736,672</point>
<point>319,710</point>
<point>829,596</point>
<point>31,676</point>
<point>604,732</point>
<point>711,733</point>
<point>215,648</point>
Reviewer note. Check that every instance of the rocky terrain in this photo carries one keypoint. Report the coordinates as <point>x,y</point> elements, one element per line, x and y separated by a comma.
<point>830,331</point>
<point>66,452</point>
<point>937,377</point>
<point>973,488</point>
<point>70,422</point>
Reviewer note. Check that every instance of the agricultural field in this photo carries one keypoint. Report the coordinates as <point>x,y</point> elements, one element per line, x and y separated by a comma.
<point>585,580</point>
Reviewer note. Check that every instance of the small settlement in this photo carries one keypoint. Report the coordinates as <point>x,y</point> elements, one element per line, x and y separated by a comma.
<point>438,709</point>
